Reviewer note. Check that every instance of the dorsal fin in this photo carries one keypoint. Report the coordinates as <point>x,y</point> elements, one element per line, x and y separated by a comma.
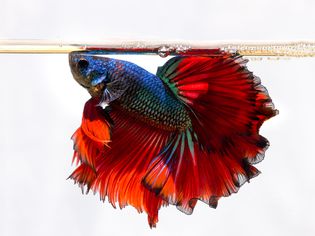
<point>168,71</point>
<point>181,67</point>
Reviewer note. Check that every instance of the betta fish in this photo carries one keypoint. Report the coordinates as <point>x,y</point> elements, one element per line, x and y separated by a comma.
<point>188,133</point>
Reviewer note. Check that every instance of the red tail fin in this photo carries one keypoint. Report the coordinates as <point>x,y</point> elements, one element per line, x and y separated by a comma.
<point>227,105</point>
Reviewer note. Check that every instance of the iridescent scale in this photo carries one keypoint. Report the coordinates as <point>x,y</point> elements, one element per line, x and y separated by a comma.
<point>149,99</point>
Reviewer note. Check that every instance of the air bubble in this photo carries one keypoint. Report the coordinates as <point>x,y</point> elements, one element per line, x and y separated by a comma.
<point>165,51</point>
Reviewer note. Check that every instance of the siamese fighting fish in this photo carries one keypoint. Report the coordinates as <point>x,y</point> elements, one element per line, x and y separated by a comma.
<point>189,132</point>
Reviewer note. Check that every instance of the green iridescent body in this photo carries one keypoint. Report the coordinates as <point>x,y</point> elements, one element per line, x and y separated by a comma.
<point>149,99</point>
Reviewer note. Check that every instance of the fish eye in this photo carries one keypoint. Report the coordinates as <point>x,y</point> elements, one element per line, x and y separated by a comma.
<point>83,64</point>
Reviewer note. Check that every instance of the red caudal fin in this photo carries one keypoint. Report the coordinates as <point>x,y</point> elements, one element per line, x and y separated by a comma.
<point>115,169</point>
<point>214,158</point>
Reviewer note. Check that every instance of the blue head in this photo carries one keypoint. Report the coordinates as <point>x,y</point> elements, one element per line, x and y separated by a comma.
<point>90,71</point>
<point>103,77</point>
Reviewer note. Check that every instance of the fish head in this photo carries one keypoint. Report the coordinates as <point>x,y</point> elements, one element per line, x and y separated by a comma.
<point>103,77</point>
<point>90,71</point>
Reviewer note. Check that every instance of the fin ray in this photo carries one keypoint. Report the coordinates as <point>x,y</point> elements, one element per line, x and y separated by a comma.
<point>227,105</point>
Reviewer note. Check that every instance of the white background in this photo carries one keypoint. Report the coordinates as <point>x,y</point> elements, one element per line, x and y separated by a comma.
<point>41,106</point>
